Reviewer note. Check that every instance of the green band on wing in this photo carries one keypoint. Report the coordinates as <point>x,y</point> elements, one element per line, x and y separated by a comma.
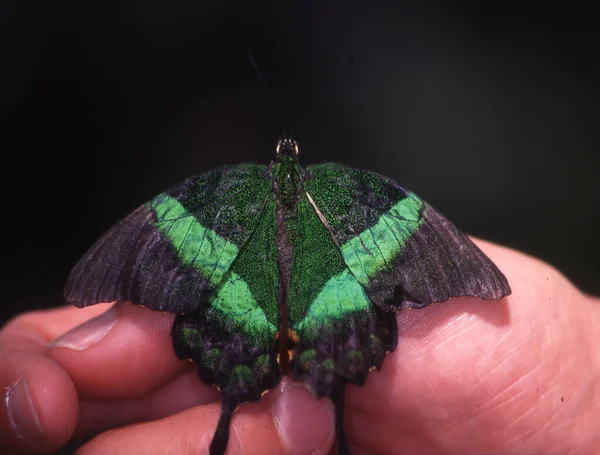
<point>196,245</point>
<point>340,296</point>
<point>236,303</point>
<point>375,248</point>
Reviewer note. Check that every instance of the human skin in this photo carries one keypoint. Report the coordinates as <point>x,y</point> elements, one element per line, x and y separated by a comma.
<point>520,375</point>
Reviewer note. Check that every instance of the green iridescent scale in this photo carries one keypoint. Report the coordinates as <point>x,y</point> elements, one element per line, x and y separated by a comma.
<point>279,270</point>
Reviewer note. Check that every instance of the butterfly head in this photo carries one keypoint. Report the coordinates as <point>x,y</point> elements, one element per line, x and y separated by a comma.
<point>287,150</point>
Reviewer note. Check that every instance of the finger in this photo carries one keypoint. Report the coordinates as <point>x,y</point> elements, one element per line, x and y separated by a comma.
<point>183,392</point>
<point>125,352</point>
<point>474,375</point>
<point>40,407</point>
<point>287,420</point>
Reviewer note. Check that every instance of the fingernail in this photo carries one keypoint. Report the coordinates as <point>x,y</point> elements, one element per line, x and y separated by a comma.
<point>22,415</point>
<point>305,424</point>
<point>87,334</point>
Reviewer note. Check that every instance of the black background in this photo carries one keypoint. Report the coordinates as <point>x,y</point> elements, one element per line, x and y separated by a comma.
<point>489,113</point>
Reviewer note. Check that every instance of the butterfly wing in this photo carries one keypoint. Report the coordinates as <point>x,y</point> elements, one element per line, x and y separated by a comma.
<point>205,249</point>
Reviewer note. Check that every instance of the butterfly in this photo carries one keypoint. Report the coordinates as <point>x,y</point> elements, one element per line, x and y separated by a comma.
<point>278,270</point>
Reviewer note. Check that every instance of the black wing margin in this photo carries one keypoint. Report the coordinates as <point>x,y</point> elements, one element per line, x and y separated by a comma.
<point>438,262</point>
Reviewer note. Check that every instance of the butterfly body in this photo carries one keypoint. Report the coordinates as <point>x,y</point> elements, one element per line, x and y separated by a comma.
<point>280,269</point>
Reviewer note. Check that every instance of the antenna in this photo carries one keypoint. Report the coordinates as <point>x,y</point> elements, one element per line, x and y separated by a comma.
<point>266,86</point>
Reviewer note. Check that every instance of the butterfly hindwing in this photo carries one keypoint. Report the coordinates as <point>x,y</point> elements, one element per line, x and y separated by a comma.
<point>402,251</point>
<point>170,252</point>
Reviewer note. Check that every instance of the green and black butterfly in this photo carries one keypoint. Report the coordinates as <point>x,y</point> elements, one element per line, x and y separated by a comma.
<point>280,269</point>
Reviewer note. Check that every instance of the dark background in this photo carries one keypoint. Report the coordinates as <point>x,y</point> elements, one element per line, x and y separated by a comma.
<point>489,113</point>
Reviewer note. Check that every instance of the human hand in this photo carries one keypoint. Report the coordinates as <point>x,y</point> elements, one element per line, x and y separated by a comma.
<point>118,368</point>
<point>520,375</point>
<point>514,376</point>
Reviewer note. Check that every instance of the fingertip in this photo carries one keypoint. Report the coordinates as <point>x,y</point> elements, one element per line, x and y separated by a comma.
<point>40,403</point>
<point>57,401</point>
<point>304,424</point>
